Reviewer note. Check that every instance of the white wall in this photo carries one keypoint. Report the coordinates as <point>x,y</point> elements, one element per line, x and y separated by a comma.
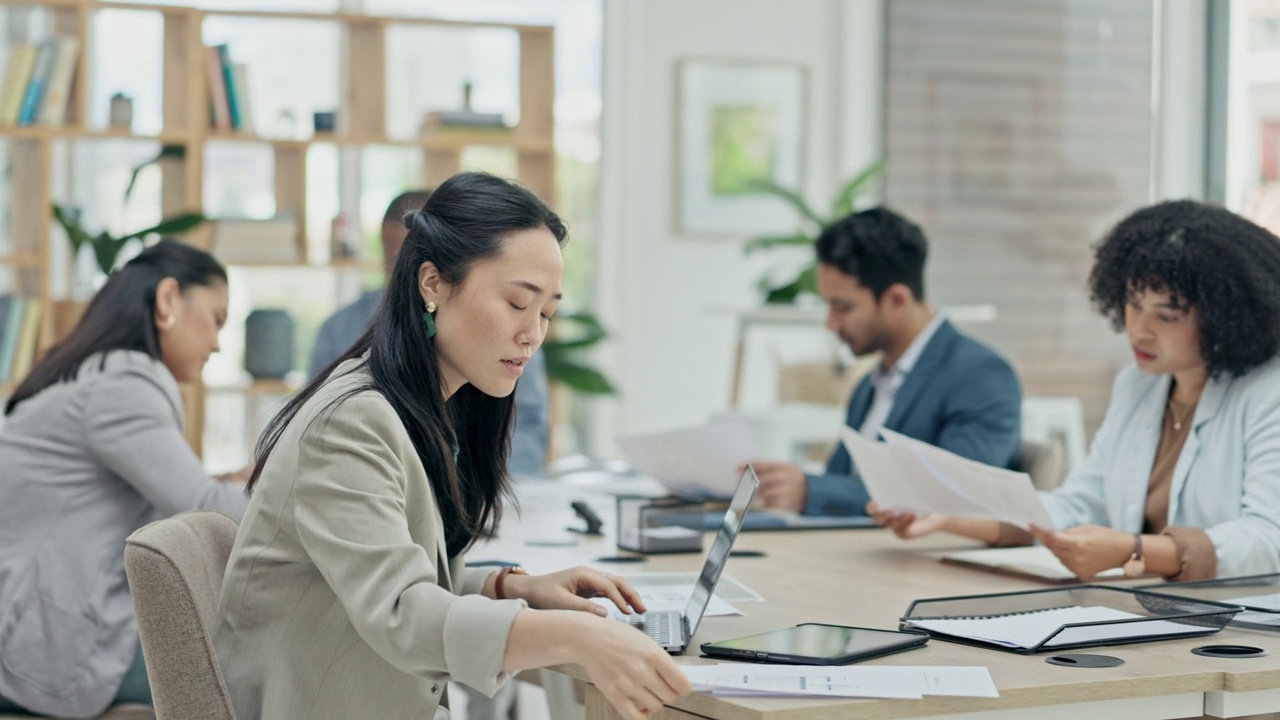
<point>671,355</point>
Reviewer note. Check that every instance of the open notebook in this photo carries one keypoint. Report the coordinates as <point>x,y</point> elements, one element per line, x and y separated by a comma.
<point>1040,628</point>
<point>1032,561</point>
<point>1032,621</point>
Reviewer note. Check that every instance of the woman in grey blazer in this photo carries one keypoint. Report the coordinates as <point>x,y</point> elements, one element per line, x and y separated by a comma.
<point>1183,477</point>
<point>347,593</point>
<point>92,449</point>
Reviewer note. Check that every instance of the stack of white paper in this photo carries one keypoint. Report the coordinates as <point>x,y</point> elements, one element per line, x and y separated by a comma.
<point>904,682</point>
<point>905,474</point>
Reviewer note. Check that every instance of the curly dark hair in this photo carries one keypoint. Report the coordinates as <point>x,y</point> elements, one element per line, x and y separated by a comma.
<point>1205,257</point>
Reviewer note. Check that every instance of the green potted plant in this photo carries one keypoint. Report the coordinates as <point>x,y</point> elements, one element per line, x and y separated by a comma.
<point>562,354</point>
<point>804,279</point>
<point>107,247</point>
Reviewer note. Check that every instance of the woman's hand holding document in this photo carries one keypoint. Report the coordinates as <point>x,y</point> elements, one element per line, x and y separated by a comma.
<point>905,474</point>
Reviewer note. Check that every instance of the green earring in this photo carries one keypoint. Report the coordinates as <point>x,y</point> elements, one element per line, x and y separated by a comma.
<point>430,321</point>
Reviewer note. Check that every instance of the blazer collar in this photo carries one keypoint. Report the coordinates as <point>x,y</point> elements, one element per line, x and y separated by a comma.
<point>860,403</point>
<point>1211,399</point>
<point>931,358</point>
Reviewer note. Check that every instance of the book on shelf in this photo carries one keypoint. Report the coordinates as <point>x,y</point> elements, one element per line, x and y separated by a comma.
<point>215,80</point>
<point>228,90</point>
<point>440,122</point>
<point>17,71</point>
<point>25,350</point>
<point>40,73</point>
<point>240,86</point>
<point>36,89</point>
<point>57,93</point>
<point>19,328</point>
<point>248,242</point>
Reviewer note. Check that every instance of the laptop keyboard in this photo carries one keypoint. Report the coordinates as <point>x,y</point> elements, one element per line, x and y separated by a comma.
<point>660,626</point>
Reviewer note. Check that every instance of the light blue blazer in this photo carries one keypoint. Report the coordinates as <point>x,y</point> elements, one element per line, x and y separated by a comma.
<point>1226,480</point>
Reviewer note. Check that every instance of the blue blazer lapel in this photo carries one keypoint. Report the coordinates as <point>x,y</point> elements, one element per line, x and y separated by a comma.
<point>860,403</point>
<point>928,366</point>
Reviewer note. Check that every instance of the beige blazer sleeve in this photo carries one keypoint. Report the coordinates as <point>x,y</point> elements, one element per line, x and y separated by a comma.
<point>353,517</point>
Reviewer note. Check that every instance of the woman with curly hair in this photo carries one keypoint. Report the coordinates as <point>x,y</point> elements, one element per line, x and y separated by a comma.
<point>1183,478</point>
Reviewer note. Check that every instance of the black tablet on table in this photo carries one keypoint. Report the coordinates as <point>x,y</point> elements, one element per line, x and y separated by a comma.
<point>816,644</point>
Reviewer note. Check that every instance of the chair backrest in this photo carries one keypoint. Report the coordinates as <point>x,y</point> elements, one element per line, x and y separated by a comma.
<point>1046,463</point>
<point>175,569</point>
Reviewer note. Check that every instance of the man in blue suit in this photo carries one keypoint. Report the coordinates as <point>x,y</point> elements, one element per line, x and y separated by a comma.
<point>933,383</point>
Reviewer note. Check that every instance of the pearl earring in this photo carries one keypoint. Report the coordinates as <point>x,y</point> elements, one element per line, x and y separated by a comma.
<point>170,321</point>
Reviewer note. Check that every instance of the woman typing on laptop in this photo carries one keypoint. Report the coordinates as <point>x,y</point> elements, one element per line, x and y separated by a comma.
<point>1183,478</point>
<point>346,594</point>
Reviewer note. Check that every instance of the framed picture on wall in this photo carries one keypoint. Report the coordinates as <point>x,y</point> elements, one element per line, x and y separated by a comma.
<point>739,124</point>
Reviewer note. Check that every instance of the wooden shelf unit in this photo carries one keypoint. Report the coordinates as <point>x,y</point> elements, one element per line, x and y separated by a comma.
<point>362,116</point>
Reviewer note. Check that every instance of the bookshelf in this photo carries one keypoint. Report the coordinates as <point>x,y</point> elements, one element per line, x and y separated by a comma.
<point>362,112</point>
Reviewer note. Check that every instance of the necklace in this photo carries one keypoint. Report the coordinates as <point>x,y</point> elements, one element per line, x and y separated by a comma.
<point>1178,417</point>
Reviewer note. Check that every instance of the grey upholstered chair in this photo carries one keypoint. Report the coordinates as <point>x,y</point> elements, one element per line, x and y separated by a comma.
<point>175,569</point>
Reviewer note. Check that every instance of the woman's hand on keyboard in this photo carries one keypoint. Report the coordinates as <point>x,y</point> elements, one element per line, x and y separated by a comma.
<point>570,590</point>
<point>634,673</point>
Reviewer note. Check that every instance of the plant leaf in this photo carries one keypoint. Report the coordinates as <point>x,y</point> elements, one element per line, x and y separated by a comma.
<point>848,196</point>
<point>75,233</point>
<point>579,377</point>
<point>169,226</point>
<point>591,333</point>
<point>805,282</point>
<point>764,243</point>
<point>793,199</point>
<point>166,151</point>
<point>105,250</point>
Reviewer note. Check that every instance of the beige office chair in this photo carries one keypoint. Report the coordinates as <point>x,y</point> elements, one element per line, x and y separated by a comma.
<point>175,569</point>
<point>1046,463</point>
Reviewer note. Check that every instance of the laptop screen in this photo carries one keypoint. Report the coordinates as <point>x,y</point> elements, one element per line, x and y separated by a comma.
<point>720,548</point>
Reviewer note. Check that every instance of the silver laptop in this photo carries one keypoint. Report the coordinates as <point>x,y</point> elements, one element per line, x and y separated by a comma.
<point>673,630</point>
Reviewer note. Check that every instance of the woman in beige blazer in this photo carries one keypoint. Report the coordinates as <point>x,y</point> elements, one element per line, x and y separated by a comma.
<point>346,595</point>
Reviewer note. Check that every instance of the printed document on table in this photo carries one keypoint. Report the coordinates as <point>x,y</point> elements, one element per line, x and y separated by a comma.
<point>899,682</point>
<point>699,461</point>
<point>906,474</point>
<point>1035,561</point>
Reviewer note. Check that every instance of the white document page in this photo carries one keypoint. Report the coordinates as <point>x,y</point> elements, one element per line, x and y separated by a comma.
<point>1035,560</point>
<point>930,479</point>
<point>901,682</point>
<point>896,479</point>
<point>1262,602</point>
<point>700,460</point>
<point>660,584</point>
<point>1028,629</point>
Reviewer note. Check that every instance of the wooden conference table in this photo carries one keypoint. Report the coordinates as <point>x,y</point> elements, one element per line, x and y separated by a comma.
<point>868,578</point>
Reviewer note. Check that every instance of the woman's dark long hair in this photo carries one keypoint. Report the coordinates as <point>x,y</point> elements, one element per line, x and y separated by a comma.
<point>465,220</point>
<point>121,315</point>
